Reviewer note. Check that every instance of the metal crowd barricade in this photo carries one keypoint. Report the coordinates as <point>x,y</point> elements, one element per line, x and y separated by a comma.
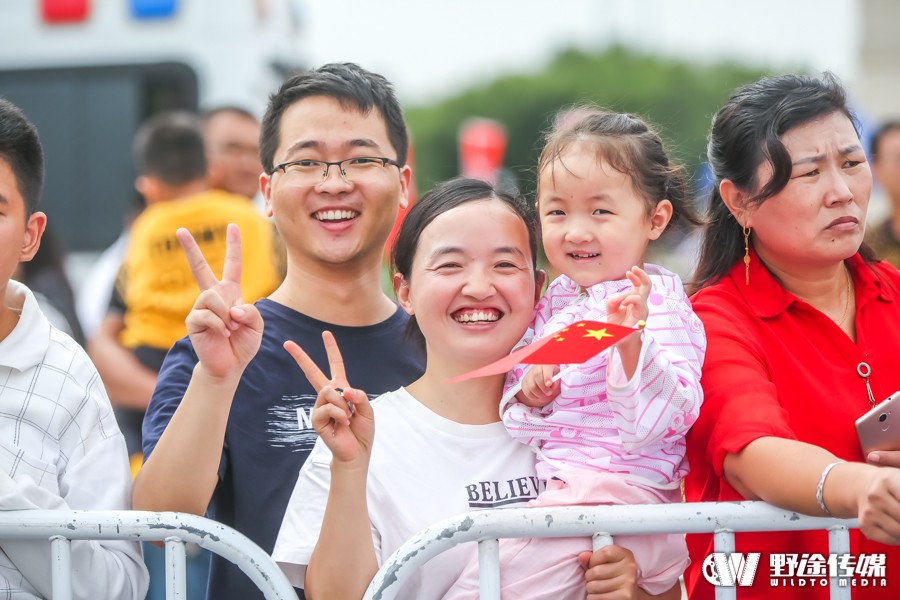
<point>175,529</point>
<point>723,519</point>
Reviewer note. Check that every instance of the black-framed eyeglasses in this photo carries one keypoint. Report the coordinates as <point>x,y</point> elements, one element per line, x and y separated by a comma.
<point>357,170</point>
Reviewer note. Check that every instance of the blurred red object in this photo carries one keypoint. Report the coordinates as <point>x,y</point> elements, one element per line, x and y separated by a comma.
<point>64,11</point>
<point>482,146</point>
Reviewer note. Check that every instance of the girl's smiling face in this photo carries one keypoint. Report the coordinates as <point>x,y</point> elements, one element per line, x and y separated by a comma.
<point>472,284</point>
<point>594,223</point>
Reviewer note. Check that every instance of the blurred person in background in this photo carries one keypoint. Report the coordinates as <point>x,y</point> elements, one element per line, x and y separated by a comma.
<point>155,291</point>
<point>884,149</point>
<point>95,290</point>
<point>231,136</point>
<point>231,139</point>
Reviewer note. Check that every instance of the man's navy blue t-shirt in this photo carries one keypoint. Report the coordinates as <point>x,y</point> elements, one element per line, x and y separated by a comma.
<point>269,433</point>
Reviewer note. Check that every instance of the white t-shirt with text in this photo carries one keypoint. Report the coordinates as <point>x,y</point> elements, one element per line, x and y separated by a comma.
<point>424,468</point>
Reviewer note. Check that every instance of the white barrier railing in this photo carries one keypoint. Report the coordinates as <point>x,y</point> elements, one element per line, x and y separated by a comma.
<point>175,529</point>
<point>723,519</point>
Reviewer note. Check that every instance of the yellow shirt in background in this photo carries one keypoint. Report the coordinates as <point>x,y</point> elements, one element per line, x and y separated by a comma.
<point>157,286</point>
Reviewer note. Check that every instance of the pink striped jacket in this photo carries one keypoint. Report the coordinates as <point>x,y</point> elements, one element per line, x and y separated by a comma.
<point>602,422</point>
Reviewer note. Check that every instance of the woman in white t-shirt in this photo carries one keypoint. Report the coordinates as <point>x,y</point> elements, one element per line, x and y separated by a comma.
<point>465,272</point>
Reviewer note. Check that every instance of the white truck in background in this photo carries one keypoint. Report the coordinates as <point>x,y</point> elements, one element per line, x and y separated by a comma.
<point>88,72</point>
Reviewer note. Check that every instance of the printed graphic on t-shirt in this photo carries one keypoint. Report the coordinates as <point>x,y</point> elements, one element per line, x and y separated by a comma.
<point>493,494</point>
<point>290,423</point>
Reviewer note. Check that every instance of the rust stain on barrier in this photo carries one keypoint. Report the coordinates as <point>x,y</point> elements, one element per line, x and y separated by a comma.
<point>260,570</point>
<point>187,528</point>
<point>390,576</point>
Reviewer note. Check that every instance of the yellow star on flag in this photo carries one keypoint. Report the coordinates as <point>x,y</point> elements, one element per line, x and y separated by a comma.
<point>598,334</point>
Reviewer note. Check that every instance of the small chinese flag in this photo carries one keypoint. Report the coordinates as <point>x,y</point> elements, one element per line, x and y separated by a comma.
<point>577,343</point>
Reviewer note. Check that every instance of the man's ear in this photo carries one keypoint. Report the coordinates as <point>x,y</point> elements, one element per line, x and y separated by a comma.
<point>31,241</point>
<point>540,278</point>
<point>405,182</point>
<point>660,217</point>
<point>265,187</point>
<point>736,201</point>
<point>401,290</point>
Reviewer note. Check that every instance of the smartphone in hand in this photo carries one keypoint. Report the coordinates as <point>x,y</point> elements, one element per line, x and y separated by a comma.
<point>879,429</point>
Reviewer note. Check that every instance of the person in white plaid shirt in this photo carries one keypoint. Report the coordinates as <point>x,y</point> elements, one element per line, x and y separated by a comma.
<point>60,446</point>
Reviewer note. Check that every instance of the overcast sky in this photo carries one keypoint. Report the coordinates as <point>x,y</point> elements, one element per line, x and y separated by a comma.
<point>431,49</point>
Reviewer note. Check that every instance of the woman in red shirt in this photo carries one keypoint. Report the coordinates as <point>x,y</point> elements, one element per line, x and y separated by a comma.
<point>803,329</point>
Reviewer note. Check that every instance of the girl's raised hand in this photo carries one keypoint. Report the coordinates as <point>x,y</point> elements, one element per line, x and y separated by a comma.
<point>342,417</point>
<point>628,308</point>
<point>225,332</point>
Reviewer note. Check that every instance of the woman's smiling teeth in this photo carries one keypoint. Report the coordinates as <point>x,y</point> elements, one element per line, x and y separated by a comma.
<point>335,215</point>
<point>477,316</point>
<point>583,255</point>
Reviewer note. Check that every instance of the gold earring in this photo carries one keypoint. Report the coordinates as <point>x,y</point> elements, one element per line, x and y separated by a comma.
<point>747,255</point>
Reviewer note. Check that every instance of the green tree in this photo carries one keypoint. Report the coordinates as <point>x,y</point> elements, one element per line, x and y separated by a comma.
<point>678,97</point>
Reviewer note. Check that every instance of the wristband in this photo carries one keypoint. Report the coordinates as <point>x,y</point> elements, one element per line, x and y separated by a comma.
<point>820,487</point>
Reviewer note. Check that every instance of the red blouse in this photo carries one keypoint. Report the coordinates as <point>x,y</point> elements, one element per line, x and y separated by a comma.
<point>776,366</point>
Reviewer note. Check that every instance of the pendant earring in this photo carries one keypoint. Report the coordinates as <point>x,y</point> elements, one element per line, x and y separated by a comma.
<point>747,255</point>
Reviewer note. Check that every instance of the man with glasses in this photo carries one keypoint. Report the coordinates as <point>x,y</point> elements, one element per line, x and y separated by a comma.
<point>226,434</point>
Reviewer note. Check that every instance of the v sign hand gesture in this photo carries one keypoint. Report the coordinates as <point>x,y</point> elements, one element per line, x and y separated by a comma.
<point>225,332</point>
<point>343,417</point>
